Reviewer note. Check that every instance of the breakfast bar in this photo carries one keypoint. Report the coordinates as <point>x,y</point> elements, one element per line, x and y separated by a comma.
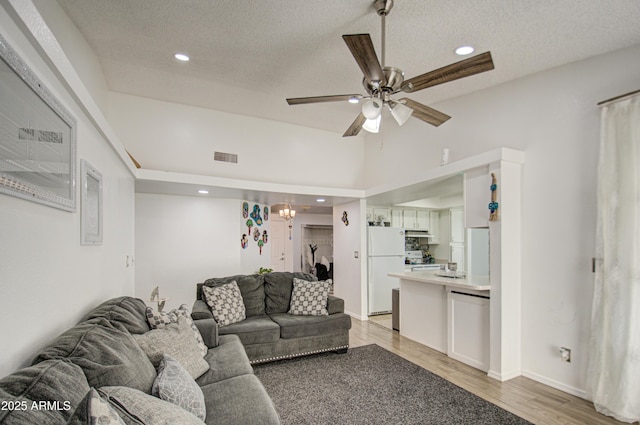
<point>448,314</point>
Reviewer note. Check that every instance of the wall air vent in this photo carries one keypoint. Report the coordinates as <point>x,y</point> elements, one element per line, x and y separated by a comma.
<point>225,157</point>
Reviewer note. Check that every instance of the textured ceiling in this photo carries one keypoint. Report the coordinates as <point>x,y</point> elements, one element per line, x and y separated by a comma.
<point>248,56</point>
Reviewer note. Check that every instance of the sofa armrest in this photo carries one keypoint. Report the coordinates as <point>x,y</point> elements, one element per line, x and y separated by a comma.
<point>209,330</point>
<point>201,310</point>
<point>335,305</point>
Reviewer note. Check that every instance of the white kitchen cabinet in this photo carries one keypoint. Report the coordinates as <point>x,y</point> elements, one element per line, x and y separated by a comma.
<point>396,218</point>
<point>434,226</point>
<point>456,225</point>
<point>422,220</point>
<point>409,219</point>
<point>468,325</point>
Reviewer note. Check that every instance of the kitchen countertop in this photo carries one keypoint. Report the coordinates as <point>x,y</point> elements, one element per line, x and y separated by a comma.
<point>477,283</point>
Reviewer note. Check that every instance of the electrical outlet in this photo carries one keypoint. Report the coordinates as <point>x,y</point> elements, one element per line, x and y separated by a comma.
<point>565,354</point>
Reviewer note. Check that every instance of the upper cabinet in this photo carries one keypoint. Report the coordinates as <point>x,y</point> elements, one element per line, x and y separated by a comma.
<point>457,225</point>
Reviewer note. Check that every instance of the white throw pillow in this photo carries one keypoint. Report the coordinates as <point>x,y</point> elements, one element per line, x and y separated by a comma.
<point>225,302</point>
<point>309,298</point>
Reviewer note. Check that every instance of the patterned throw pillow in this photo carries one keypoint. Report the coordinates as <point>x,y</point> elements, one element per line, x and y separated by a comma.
<point>93,410</point>
<point>309,298</point>
<point>177,341</point>
<point>159,319</point>
<point>136,407</point>
<point>175,385</point>
<point>226,303</point>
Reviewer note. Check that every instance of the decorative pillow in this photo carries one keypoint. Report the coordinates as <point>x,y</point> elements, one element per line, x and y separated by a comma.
<point>136,407</point>
<point>176,340</point>
<point>93,410</point>
<point>226,303</point>
<point>175,385</point>
<point>309,298</point>
<point>158,320</point>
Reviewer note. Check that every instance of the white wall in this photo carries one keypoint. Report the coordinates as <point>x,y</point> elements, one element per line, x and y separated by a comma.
<point>553,117</point>
<point>172,137</point>
<point>350,275</point>
<point>48,281</point>
<point>183,240</point>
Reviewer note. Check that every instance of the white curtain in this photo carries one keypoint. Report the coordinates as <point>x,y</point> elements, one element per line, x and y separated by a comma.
<point>614,353</point>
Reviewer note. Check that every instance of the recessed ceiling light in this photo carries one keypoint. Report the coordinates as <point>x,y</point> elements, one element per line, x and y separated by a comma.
<point>203,191</point>
<point>464,50</point>
<point>181,57</point>
<point>320,200</point>
<point>354,99</point>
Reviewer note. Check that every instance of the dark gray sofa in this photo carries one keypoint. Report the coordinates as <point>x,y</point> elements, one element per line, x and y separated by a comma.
<point>101,352</point>
<point>269,333</point>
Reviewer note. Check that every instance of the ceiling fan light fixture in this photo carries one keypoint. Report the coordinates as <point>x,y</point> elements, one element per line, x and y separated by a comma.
<point>371,109</point>
<point>465,50</point>
<point>400,113</point>
<point>372,125</point>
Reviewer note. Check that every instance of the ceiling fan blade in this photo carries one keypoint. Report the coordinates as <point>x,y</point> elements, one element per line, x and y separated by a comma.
<point>425,113</point>
<point>319,99</point>
<point>362,49</point>
<point>355,126</point>
<point>465,68</point>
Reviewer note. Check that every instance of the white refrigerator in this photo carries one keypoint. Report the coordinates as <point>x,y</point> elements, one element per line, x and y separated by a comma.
<point>385,255</point>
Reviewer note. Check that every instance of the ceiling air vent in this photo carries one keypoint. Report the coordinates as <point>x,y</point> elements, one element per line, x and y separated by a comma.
<point>225,157</point>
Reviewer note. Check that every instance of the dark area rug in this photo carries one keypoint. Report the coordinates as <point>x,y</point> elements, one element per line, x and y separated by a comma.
<point>370,385</point>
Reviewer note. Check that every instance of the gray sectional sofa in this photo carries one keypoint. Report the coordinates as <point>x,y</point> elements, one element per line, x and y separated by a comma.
<point>101,352</point>
<point>269,333</point>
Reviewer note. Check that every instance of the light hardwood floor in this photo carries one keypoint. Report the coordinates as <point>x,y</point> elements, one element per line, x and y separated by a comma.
<point>524,397</point>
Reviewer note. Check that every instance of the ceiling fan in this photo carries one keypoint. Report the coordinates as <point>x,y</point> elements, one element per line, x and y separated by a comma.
<point>382,82</point>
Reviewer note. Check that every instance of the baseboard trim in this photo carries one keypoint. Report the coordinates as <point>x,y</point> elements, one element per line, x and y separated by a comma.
<point>357,316</point>
<point>555,384</point>
<point>502,377</point>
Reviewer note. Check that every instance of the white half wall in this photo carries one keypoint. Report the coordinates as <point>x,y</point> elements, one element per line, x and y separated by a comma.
<point>48,281</point>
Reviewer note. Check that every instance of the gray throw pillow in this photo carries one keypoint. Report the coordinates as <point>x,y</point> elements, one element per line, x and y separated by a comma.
<point>158,320</point>
<point>226,303</point>
<point>93,410</point>
<point>136,407</point>
<point>309,298</point>
<point>176,340</point>
<point>175,385</point>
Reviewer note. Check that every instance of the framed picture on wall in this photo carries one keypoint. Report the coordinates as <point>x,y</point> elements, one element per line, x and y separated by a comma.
<point>37,137</point>
<point>91,204</point>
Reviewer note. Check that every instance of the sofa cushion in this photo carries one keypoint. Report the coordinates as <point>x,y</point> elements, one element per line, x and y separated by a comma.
<point>136,407</point>
<point>94,410</point>
<point>158,320</point>
<point>106,352</point>
<point>227,360</point>
<point>301,326</point>
<point>252,290</point>
<point>176,340</point>
<point>239,400</point>
<point>58,381</point>
<point>253,330</point>
<point>175,385</point>
<point>128,311</point>
<point>226,303</point>
<point>309,298</point>
<point>278,287</point>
